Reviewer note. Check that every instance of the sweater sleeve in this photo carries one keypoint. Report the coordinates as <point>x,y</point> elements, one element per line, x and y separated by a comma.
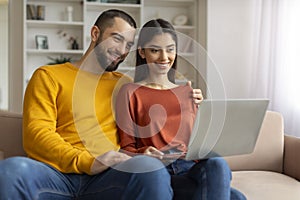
<point>40,139</point>
<point>126,120</point>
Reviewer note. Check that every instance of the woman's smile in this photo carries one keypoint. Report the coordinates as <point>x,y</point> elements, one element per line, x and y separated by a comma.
<point>163,65</point>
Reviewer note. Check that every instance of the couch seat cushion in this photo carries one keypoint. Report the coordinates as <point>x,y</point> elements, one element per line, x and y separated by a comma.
<point>265,185</point>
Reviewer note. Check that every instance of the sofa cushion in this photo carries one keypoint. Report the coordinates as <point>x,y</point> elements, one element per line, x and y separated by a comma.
<point>263,185</point>
<point>268,152</point>
<point>292,156</point>
<point>11,134</point>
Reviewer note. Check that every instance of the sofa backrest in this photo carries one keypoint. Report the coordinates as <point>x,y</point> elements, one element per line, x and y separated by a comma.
<point>267,155</point>
<point>268,152</point>
<point>11,134</point>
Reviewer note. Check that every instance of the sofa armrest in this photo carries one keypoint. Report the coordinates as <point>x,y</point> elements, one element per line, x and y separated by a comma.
<point>291,163</point>
<point>11,134</point>
<point>1,155</point>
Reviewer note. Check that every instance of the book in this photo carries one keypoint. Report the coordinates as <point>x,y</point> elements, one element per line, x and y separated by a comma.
<point>31,11</point>
<point>40,11</point>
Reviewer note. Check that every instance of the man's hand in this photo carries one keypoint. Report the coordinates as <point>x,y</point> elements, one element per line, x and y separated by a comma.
<point>197,94</point>
<point>107,160</point>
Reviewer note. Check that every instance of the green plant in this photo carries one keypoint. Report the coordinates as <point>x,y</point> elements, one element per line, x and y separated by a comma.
<point>61,59</point>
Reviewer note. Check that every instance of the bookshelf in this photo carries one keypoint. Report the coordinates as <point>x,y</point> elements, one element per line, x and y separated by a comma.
<point>51,22</point>
<point>56,20</point>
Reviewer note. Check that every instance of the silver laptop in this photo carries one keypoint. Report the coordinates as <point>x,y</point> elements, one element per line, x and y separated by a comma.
<point>226,128</point>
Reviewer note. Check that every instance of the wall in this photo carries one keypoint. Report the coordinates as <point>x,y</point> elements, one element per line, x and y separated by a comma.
<point>15,62</point>
<point>4,56</point>
<point>229,44</point>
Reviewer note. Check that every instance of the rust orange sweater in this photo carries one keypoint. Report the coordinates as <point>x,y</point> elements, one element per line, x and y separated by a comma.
<point>151,117</point>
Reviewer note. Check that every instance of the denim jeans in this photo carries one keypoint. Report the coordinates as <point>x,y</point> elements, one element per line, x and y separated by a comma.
<point>205,180</point>
<point>24,178</point>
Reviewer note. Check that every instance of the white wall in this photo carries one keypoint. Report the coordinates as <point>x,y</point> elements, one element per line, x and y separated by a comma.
<point>11,54</point>
<point>15,61</point>
<point>4,56</point>
<point>229,40</point>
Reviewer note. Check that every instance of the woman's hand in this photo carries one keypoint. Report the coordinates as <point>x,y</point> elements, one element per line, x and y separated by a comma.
<point>154,152</point>
<point>107,160</point>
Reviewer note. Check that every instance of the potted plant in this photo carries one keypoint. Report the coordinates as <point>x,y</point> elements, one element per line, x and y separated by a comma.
<point>59,60</point>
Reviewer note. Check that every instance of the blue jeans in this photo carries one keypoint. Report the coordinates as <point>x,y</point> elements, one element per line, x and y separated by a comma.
<point>24,178</point>
<point>206,180</point>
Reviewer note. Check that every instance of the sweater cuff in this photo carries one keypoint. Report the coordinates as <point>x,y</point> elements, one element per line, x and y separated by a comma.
<point>142,149</point>
<point>85,162</point>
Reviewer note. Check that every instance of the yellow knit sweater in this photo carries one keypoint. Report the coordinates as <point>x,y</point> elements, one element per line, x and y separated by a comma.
<point>68,116</point>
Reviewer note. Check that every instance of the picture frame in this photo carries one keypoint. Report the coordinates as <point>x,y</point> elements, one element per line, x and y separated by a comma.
<point>41,42</point>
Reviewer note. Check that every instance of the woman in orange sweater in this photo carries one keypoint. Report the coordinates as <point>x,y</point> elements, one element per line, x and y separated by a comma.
<point>155,116</point>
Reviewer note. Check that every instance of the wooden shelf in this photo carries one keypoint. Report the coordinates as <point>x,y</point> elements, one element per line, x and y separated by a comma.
<point>100,4</point>
<point>53,51</point>
<point>52,24</point>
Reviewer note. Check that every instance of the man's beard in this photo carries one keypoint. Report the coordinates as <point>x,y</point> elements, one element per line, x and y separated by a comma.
<point>104,61</point>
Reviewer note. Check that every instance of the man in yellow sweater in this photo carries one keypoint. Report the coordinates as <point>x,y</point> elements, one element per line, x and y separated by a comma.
<point>69,130</point>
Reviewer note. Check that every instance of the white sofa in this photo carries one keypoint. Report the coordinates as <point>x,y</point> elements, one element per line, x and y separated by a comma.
<point>271,172</point>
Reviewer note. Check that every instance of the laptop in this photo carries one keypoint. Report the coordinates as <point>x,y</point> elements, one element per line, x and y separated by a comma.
<point>225,128</point>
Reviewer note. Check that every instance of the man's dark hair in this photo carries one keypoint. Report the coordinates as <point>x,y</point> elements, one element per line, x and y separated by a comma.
<point>106,19</point>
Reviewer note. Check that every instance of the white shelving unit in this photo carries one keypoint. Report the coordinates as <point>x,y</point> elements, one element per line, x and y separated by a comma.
<point>55,21</point>
<point>84,15</point>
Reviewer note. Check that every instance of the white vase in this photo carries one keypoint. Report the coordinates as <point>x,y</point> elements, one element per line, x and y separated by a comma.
<point>69,13</point>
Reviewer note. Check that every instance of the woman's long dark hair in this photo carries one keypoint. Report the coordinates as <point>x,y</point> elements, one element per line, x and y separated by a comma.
<point>149,30</point>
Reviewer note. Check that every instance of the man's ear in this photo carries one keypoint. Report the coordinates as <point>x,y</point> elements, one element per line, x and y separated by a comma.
<point>95,33</point>
<point>142,52</point>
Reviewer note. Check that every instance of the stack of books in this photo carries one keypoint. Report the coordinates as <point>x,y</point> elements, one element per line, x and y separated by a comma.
<point>35,12</point>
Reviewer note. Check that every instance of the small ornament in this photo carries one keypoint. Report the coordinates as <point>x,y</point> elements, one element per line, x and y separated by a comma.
<point>69,10</point>
<point>75,45</point>
<point>180,20</point>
